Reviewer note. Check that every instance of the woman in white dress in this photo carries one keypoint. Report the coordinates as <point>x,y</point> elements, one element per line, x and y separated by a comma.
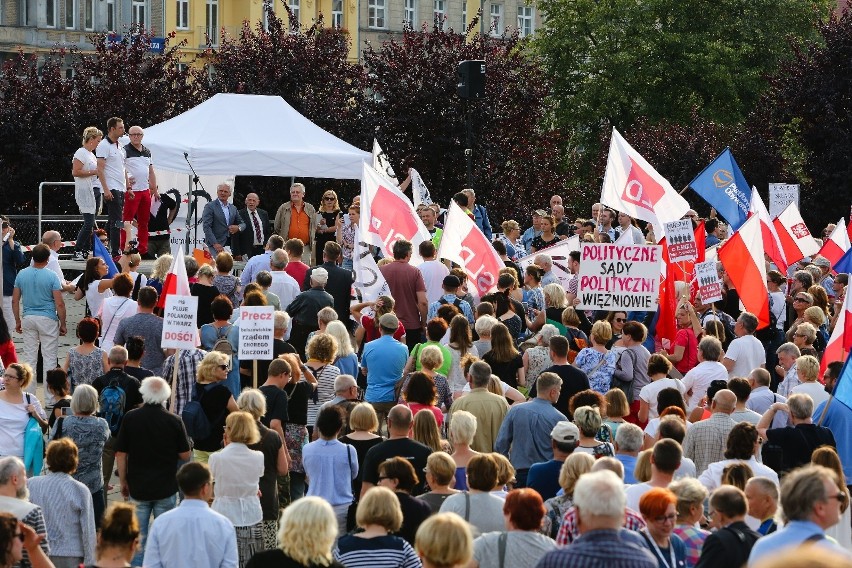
<point>84,168</point>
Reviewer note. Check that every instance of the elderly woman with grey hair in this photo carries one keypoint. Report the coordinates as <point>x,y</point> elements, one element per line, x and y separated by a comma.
<point>537,358</point>
<point>90,433</point>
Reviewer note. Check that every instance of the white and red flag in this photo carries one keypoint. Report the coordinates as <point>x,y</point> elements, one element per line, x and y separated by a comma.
<point>793,235</point>
<point>840,342</point>
<point>176,281</point>
<point>465,244</point>
<point>387,215</point>
<point>631,185</point>
<point>771,243</point>
<point>836,245</point>
<point>742,257</point>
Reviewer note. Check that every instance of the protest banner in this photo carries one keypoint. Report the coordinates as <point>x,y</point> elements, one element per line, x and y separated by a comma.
<point>709,285</point>
<point>180,327</point>
<point>781,195</point>
<point>681,241</point>
<point>619,277</point>
<point>257,331</point>
<point>558,253</point>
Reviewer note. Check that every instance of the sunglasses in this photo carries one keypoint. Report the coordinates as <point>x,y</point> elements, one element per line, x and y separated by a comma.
<point>327,198</point>
<point>800,299</point>
<point>20,536</point>
<point>840,496</point>
<point>223,367</point>
<point>620,320</point>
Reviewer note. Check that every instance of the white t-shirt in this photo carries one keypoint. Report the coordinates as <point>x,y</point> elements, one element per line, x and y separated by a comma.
<point>634,494</point>
<point>114,156</point>
<point>699,378</point>
<point>654,424</point>
<point>95,298</point>
<point>650,391</point>
<point>83,192</point>
<point>113,310</point>
<point>747,353</point>
<point>815,390</point>
<point>779,308</point>
<point>434,272</point>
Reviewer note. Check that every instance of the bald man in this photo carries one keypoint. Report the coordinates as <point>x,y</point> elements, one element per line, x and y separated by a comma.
<point>254,229</point>
<point>706,440</point>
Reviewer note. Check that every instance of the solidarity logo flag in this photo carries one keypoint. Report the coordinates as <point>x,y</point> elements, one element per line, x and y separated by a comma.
<point>837,244</point>
<point>176,281</point>
<point>559,254</point>
<point>742,257</point>
<point>631,185</point>
<point>465,244</point>
<point>840,342</point>
<point>722,185</point>
<point>793,235</point>
<point>100,251</point>
<point>368,278</point>
<point>419,191</point>
<point>382,164</point>
<point>388,216</point>
<point>771,242</point>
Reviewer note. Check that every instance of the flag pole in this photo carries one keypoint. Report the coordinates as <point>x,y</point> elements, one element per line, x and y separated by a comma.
<point>174,380</point>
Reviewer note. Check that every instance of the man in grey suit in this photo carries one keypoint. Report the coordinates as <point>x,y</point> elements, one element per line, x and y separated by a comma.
<point>220,220</point>
<point>250,240</point>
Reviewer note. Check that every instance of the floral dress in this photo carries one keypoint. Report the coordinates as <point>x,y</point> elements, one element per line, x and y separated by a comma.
<point>228,285</point>
<point>84,369</point>
<point>533,300</point>
<point>598,366</point>
<point>539,360</point>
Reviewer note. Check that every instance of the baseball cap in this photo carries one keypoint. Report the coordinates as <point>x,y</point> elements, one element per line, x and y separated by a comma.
<point>389,321</point>
<point>451,281</point>
<point>822,262</point>
<point>565,432</point>
<point>319,275</point>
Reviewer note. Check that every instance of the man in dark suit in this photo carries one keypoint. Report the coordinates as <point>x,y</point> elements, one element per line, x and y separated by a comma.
<point>220,220</point>
<point>339,283</point>
<point>255,229</point>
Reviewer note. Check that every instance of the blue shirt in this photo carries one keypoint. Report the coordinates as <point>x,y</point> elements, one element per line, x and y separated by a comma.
<point>37,286</point>
<point>528,236</point>
<point>480,217</point>
<point>209,336</point>
<point>383,359</point>
<point>324,462</point>
<point>629,463</point>
<point>838,419</point>
<point>793,534</point>
<point>603,548</point>
<point>191,530</point>
<point>463,305</point>
<point>254,265</point>
<point>526,429</point>
<point>544,478</point>
<point>348,365</point>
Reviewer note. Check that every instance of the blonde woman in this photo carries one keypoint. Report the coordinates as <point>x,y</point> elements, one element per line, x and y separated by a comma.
<point>321,351</point>
<point>573,467</point>
<point>16,408</point>
<point>444,541</point>
<point>511,237</point>
<point>440,471</point>
<point>425,430</point>
<point>462,430</point>
<point>597,361</point>
<point>84,168</point>
<point>159,271</point>
<point>327,215</point>
<point>307,533</point>
<point>588,420</point>
<point>346,360</point>
<point>807,366</point>
<point>216,400</point>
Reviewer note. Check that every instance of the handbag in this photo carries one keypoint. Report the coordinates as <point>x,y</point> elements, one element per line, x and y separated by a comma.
<point>625,386</point>
<point>353,506</point>
<point>33,445</point>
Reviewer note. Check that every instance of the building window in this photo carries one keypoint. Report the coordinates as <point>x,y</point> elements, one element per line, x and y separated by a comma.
<point>182,20</point>
<point>50,13</point>
<point>267,6</point>
<point>376,13</point>
<point>70,14</point>
<point>295,8</point>
<point>526,20</point>
<point>213,22</point>
<point>464,14</point>
<point>337,13</point>
<point>497,24</point>
<point>440,14</point>
<point>138,13</point>
<point>110,23</point>
<point>410,13</point>
<point>89,16</point>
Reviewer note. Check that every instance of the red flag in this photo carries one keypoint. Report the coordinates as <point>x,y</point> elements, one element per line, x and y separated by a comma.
<point>836,245</point>
<point>840,342</point>
<point>742,257</point>
<point>176,281</point>
<point>793,235</point>
<point>666,323</point>
<point>771,243</point>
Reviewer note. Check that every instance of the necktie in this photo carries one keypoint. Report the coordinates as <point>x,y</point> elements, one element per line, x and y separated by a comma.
<point>258,234</point>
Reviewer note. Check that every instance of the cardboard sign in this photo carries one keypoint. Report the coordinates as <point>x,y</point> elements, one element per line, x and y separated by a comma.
<point>681,241</point>
<point>180,327</point>
<point>709,285</point>
<point>257,330</point>
<point>781,195</point>
<point>619,277</point>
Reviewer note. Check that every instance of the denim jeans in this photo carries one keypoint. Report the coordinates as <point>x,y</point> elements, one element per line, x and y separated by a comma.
<point>144,510</point>
<point>84,237</point>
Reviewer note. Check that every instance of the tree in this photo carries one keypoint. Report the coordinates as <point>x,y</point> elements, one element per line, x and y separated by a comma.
<point>422,123</point>
<point>613,62</point>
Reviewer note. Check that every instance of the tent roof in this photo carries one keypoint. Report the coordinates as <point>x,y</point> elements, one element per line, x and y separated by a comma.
<point>231,134</point>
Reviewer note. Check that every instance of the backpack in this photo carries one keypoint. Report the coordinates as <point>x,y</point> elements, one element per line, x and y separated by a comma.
<point>625,386</point>
<point>198,426</point>
<point>457,302</point>
<point>223,344</point>
<point>575,345</point>
<point>112,403</point>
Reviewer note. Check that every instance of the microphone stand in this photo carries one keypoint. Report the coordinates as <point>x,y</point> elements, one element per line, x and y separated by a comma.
<point>192,202</point>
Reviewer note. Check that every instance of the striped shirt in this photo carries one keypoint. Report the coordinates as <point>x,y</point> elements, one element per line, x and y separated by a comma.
<point>188,364</point>
<point>69,514</point>
<point>30,515</point>
<point>377,552</point>
<point>325,375</point>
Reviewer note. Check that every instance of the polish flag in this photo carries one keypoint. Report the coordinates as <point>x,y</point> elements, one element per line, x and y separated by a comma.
<point>465,244</point>
<point>771,243</point>
<point>176,281</point>
<point>837,244</point>
<point>742,257</point>
<point>840,342</point>
<point>631,185</point>
<point>793,235</point>
<point>387,215</point>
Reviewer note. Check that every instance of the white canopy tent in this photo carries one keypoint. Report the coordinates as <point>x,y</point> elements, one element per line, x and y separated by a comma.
<point>256,135</point>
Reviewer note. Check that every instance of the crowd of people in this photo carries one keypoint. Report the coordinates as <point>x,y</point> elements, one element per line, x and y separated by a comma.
<point>428,427</point>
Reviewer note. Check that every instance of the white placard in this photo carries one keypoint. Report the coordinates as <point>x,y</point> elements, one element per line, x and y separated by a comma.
<point>619,277</point>
<point>709,285</point>
<point>180,323</point>
<point>781,195</point>
<point>257,329</point>
<point>680,239</point>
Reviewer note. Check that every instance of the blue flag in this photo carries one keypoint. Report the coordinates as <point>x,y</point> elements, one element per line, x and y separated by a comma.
<point>844,265</point>
<point>99,250</point>
<point>843,385</point>
<point>723,186</point>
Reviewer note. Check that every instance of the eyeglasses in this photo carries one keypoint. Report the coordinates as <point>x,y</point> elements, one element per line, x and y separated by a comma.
<point>135,134</point>
<point>840,496</point>
<point>223,367</point>
<point>8,376</point>
<point>666,518</point>
<point>799,335</point>
<point>381,477</point>
<point>20,536</point>
<point>621,320</point>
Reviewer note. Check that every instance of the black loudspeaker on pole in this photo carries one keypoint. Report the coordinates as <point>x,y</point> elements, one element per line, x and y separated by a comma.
<point>471,86</point>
